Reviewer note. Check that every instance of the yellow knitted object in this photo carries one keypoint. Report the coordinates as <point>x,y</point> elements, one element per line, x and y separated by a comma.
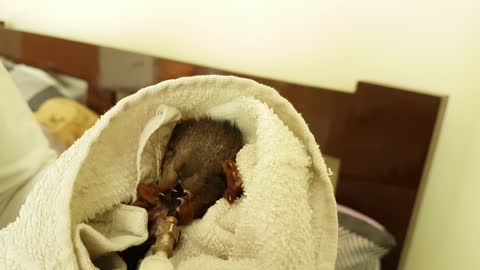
<point>65,119</point>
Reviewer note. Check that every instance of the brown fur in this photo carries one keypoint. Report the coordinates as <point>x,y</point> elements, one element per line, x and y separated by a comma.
<point>194,158</point>
<point>199,154</point>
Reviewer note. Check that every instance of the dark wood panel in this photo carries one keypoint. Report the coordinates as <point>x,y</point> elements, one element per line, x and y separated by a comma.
<point>380,134</point>
<point>51,54</point>
<point>383,144</point>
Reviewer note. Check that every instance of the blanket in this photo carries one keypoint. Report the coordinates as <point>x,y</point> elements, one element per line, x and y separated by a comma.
<point>286,219</point>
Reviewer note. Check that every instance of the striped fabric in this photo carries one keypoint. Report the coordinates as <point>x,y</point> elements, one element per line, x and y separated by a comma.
<point>361,244</point>
<point>36,86</point>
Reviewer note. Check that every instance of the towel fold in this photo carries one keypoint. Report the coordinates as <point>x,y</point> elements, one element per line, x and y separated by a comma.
<point>286,218</point>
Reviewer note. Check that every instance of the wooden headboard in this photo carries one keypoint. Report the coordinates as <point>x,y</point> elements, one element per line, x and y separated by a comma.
<point>381,134</point>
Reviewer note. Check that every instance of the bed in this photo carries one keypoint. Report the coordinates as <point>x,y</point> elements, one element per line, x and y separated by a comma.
<point>378,140</point>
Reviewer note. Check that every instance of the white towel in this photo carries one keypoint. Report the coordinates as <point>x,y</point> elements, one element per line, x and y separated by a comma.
<point>285,220</point>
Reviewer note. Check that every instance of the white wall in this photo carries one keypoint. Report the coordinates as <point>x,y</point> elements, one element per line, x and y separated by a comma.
<point>427,45</point>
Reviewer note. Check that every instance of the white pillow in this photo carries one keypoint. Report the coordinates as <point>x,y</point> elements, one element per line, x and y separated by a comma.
<point>24,149</point>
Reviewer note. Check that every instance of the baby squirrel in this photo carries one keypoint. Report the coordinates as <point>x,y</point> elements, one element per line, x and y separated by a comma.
<point>200,158</point>
<point>195,158</point>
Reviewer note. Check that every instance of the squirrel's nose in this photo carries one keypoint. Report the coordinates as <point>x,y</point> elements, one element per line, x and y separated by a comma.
<point>170,177</point>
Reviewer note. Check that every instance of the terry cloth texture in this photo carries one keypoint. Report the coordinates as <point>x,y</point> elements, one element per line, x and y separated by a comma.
<point>286,219</point>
